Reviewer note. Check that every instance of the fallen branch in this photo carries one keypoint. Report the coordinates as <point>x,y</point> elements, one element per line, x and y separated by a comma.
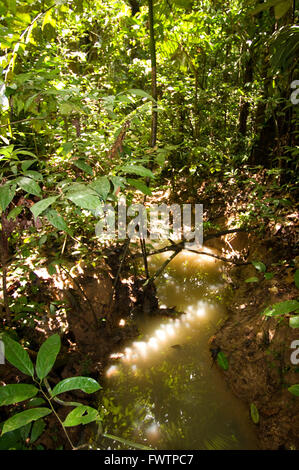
<point>180,246</point>
<point>160,270</point>
<point>221,258</point>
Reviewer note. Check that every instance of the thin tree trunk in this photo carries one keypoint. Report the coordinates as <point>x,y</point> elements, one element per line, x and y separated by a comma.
<point>154,124</point>
<point>4,259</point>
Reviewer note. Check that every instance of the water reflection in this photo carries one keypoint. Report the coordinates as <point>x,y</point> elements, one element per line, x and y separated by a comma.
<point>163,391</point>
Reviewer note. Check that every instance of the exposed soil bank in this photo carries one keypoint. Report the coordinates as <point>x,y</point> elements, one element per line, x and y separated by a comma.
<point>258,348</point>
<point>95,300</point>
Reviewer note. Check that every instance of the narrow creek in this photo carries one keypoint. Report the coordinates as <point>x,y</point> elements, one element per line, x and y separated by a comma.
<point>165,392</point>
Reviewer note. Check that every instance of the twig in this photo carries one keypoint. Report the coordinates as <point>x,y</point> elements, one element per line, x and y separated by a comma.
<point>126,246</point>
<point>143,248</point>
<point>161,269</point>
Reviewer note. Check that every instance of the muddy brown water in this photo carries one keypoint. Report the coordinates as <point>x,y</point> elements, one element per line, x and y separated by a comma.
<point>164,391</point>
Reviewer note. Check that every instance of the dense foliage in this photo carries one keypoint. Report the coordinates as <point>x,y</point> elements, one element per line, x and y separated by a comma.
<point>100,99</point>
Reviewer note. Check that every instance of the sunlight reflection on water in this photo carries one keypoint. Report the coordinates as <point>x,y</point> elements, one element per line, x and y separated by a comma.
<point>170,396</point>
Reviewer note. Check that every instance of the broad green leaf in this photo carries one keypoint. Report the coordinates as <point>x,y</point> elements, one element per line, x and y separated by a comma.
<point>140,186</point>
<point>266,6</point>
<point>282,8</point>
<point>25,152</point>
<point>7,192</point>
<point>57,221</point>
<point>81,415</point>
<point>13,214</point>
<point>35,402</point>
<point>126,442</point>
<point>268,276</point>
<point>40,206</point>
<point>34,175</point>
<point>16,392</point>
<point>37,429</point>
<point>137,170</point>
<point>141,93</point>
<point>101,186</point>
<point>23,418</point>
<point>117,181</point>
<point>12,440</point>
<point>83,166</point>
<point>67,147</point>
<point>46,356</point>
<point>281,308</point>
<point>52,269</point>
<point>296,278</point>
<point>17,356</point>
<point>84,200</point>
<point>294,322</point>
<point>222,360</point>
<point>259,266</point>
<point>252,279</point>
<point>86,384</point>
<point>66,108</point>
<point>294,389</point>
<point>29,185</point>
<point>25,430</point>
<point>48,19</point>
<point>26,164</point>
<point>254,413</point>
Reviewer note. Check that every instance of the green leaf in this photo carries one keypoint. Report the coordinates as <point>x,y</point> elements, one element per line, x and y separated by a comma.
<point>34,175</point>
<point>141,93</point>
<point>117,181</point>
<point>23,418</point>
<point>66,108</point>
<point>46,356</point>
<point>48,19</point>
<point>296,278</point>
<point>259,266</point>
<point>52,269</point>
<point>254,413</point>
<point>15,393</point>
<point>269,276</point>
<point>83,166</point>
<point>294,322</point>
<point>222,360</point>
<point>13,214</point>
<point>84,200</point>
<point>40,206</point>
<point>137,170</point>
<point>37,429</point>
<point>35,402</point>
<point>282,8</point>
<point>266,6</point>
<point>252,279</point>
<point>86,384</point>
<point>7,192</point>
<point>101,186</point>
<point>26,164</point>
<point>17,356</point>
<point>294,389</point>
<point>140,186</point>
<point>81,415</point>
<point>29,185</point>
<point>57,221</point>
<point>281,308</point>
